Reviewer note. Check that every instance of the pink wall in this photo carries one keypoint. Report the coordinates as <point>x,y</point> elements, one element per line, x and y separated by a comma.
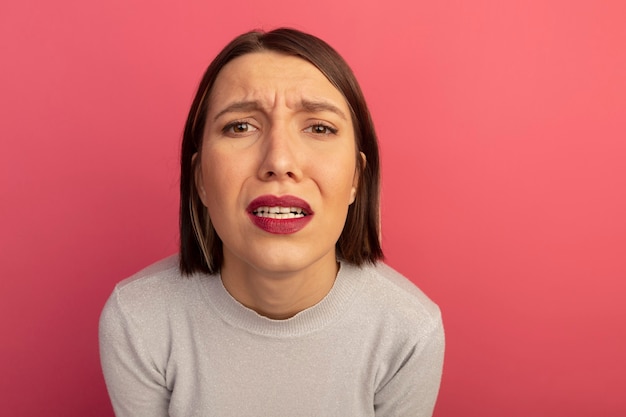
<point>503,134</point>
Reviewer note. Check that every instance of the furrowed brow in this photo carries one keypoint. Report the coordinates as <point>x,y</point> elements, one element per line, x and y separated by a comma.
<point>316,106</point>
<point>238,106</point>
<point>311,106</point>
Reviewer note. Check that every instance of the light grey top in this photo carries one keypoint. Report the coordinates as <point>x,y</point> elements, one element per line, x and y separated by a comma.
<point>182,346</point>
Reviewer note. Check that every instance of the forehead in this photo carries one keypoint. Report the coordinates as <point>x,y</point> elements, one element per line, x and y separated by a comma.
<point>268,77</point>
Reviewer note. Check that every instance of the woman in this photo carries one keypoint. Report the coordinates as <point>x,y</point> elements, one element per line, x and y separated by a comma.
<point>277,304</point>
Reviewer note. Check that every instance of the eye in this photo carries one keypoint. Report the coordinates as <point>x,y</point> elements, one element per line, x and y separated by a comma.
<point>238,128</point>
<point>321,129</point>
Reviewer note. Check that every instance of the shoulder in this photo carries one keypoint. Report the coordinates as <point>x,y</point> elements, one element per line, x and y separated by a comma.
<point>155,293</point>
<point>157,282</point>
<point>161,271</point>
<point>146,311</point>
<point>395,299</point>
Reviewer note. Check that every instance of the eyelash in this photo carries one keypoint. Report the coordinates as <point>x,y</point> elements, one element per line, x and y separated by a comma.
<point>329,130</point>
<point>230,126</point>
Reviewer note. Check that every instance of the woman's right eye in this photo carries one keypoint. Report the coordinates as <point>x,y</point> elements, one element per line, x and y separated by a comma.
<point>238,128</point>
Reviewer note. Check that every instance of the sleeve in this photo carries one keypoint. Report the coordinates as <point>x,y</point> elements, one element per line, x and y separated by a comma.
<point>135,385</point>
<point>413,390</point>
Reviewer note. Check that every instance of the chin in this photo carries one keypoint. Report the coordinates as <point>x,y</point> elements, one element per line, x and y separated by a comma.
<point>283,262</point>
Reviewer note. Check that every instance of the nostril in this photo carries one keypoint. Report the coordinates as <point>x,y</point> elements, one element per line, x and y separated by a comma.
<point>273,174</point>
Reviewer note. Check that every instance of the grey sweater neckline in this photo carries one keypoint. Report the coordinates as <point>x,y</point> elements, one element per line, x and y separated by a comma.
<point>328,310</point>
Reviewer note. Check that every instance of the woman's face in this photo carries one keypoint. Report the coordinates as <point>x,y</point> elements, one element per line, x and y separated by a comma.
<point>277,168</point>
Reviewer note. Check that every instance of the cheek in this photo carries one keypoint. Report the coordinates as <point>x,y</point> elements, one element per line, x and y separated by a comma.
<point>339,180</point>
<point>219,178</point>
<point>221,165</point>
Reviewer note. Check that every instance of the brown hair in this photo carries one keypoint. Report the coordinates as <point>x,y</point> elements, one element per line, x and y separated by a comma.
<point>200,246</point>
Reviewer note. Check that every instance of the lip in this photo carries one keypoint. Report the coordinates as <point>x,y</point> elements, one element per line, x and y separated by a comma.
<point>279,226</point>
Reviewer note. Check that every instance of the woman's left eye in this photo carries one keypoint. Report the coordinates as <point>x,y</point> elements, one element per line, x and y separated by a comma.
<point>321,129</point>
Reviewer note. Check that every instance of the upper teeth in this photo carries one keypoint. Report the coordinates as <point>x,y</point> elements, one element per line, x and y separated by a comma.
<point>279,212</point>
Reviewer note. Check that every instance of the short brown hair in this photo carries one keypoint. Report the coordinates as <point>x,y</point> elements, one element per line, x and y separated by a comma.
<point>200,246</point>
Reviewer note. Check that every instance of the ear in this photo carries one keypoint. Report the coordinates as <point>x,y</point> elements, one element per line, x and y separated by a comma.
<point>357,176</point>
<point>196,166</point>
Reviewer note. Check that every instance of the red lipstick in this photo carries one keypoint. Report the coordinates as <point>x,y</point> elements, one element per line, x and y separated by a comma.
<point>280,215</point>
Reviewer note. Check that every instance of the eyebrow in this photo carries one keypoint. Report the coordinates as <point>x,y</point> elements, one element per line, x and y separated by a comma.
<point>238,106</point>
<point>311,106</point>
<point>317,106</point>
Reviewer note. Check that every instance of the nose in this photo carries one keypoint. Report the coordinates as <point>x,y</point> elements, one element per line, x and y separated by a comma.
<point>281,155</point>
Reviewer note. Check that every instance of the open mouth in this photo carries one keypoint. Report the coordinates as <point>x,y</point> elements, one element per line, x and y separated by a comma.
<point>278,212</point>
<point>280,215</point>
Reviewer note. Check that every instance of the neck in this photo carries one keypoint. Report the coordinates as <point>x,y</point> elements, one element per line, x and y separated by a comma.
<point>279,295</point>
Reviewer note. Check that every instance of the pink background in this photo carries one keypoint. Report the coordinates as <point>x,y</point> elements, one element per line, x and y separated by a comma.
<point>503,134</point>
